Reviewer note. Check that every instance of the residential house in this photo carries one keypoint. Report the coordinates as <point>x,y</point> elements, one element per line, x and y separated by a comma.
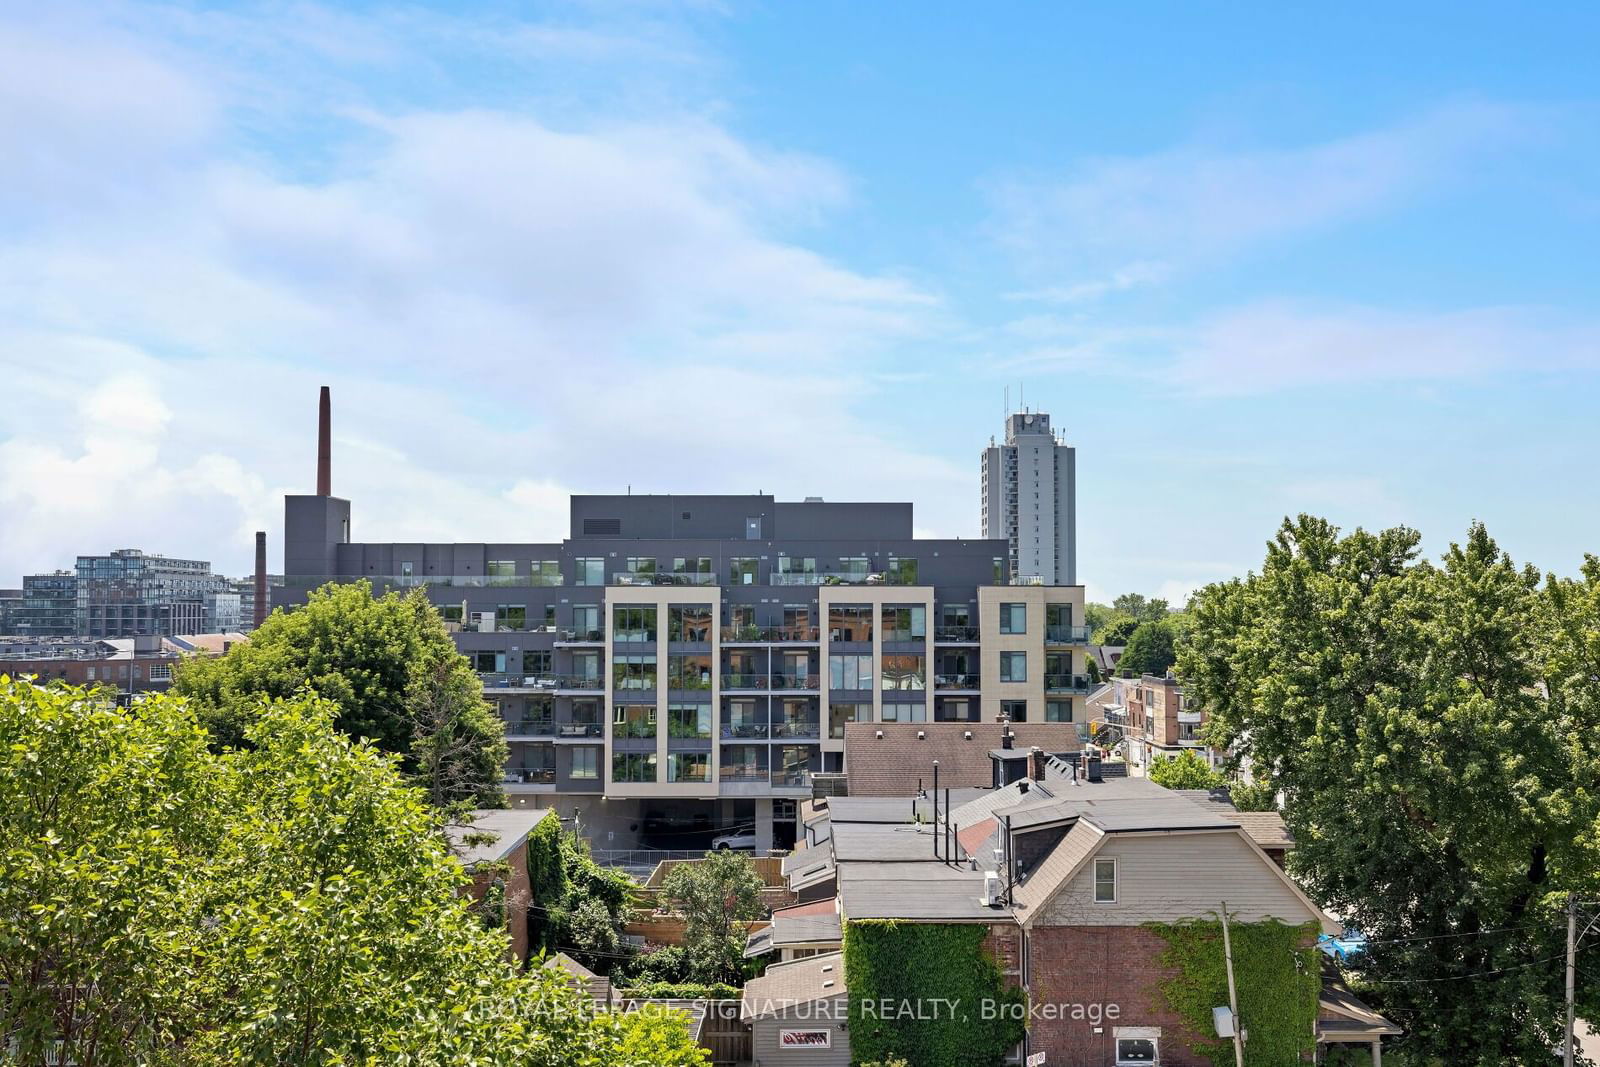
<point>493,848</point>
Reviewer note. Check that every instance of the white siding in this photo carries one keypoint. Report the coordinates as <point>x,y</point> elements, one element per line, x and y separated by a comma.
<point>764,1036</point>
<point>1170,877</point>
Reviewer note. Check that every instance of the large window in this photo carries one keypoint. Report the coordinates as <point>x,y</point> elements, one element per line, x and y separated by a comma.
<point>586,763</point>
<point>1105,881</point>
<point>586,621</point>
<point>1014,710</point>
<point>905,713</point>
<point>452,612</point>
<point>905,623</point>
<point>633,622</point>
<point>536,661</point>
<point>1058,711</point>
<point>850,622</point>
<point>689,720</point>
<point>905,672</point>
<point>688,672</point>
<point>589,570</point>
<point>850,671</point>
<point>501,571</point>
<point>742,570</point>
<point>689,767</point>
<point>840,714</point>
<point>1013,666</point>
<point>689,622</point>
<point>489,662</point>
<point>902,571</point>
<point>633,767</point>
<point>512,617</point>
<point>1013,618</point>
<point>693,570</point>
<point>633,673</point>
<point>544,572</point>
<point>802,567</point>
<point>633,720</point>
<point>1058,622</point>
<point>854,568</point>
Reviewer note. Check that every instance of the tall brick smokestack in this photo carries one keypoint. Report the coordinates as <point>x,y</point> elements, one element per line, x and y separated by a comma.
<point>260,613</point>
<point>324,446</point>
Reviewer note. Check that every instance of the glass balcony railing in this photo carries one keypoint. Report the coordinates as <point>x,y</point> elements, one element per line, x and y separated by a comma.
<point>570,635</point>
<point>791,779</point>
<point>1067,635</point>
<point>531,728</point>
<point>749,633</point>
<point>1066,683</point>
<point>467,581</point>
<point>840,578</point>
<point>956,681</point>
<point>810,728</point>
<point>955,633</point>
<point>796,681</point>
<point>634,730</point>
<point>744,681</point>
<point>744,729</point>
<point>662,578</point>
<point>743,773</point>
<point>530,775</point>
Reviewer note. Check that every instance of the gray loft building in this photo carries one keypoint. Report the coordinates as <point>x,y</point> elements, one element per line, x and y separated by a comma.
<point>680,664</point>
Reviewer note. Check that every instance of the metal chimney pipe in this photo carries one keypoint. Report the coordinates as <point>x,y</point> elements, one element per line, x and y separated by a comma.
<point>324,445</point>
<point>935,809</point>
<point>260,612</point>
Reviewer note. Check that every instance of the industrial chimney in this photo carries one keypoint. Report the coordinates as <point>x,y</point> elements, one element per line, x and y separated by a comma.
<point>324,447</point>
<point>260,613</point>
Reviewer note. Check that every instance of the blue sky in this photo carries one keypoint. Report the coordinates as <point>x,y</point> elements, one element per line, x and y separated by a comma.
<point>1255,259</point>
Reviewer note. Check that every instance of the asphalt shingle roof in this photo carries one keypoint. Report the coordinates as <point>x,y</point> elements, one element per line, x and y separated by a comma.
<point>893,765</point>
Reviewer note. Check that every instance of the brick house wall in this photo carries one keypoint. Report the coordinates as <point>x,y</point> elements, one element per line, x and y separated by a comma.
<point>1104,965</point>
<point>519,892</point>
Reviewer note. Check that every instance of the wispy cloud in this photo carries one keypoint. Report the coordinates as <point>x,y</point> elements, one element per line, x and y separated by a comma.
<point>1113,223</point>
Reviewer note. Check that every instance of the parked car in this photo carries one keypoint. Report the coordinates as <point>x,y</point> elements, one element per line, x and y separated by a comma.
<point>741,839</point>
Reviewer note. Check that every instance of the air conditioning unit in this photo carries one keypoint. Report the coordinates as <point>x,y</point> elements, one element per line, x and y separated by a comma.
<point>483,622</point>
<point>991,889</point>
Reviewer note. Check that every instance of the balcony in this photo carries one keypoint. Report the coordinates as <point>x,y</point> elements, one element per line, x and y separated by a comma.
<point>756,682</point>
<point>744,730</point>
<point>791,682</point>
<point>571,636</point>
<point>466,581</point>
<point>513,683</point>
<point>576,683</point>
<point>530,728</point>
<point>839,578</point>
<point>530,776</point>
<point>662,578</point>
<point>579,731</point>
<point>1067,683</point>
<point>956,635</point>
<point>967,683</point>
<point>802,633</point>
<point>1066,635</point>
<point>810,729</point>
<point>791,780</point>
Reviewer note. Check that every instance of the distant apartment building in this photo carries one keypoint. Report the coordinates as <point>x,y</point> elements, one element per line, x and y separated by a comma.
<point>128,593</point>
<point>10,609</point>
<point>245,588</point>
<point>49,606</point>
<point>1030,500</point>
<point>681,663</point>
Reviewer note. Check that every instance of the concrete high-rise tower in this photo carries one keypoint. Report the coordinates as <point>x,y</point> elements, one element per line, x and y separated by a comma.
<point>1030,498</point>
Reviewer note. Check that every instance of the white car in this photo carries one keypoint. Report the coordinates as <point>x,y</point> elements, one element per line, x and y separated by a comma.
<point>738,839</point>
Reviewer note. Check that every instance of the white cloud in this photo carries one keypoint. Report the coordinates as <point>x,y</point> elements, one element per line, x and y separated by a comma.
<point>1118,222</point>
<point>507,305</point>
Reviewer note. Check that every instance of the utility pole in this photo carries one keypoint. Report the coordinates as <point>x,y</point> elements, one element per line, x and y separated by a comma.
<point>1233,996</point>
<point>1572,968</point>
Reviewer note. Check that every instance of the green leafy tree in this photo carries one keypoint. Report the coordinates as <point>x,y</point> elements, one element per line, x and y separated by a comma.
<point>1150,650</point>
<point>1136,606</point>
<point>1253,795</point>
<point>1117,631</point>
<point>290,902</point>
<point>1435,735</point>
<point>716,896</point>
<point>391,669</point>
<point>1186,770</point>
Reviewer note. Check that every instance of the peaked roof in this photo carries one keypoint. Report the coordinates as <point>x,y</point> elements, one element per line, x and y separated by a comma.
<point>785,985</point>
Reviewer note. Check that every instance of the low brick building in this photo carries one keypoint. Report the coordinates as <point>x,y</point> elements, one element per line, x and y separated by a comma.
<point>504,859</point>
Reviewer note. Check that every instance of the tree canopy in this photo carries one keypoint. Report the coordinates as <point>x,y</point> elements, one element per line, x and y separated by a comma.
<point>1433,732</point>
<point>390,667</point>
<point>1151,649</point>
<point>1186,770</point>
<point>291,901</point>
<point>716,896</point>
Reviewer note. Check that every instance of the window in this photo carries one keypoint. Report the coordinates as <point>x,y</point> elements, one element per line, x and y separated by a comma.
<point>904,672</point>
<point>907,623</point>
<point>689,720</point>
<point>501,571</point>
<point>1105,881</point>
<point>633,673</point>
<point>642,567</point>
<point>586,763</point>
<point>955,615</point>
<point>633,720</point>
<point>691,622</point>
<point>1013,618</point>
<point>693,570</point>
<point>742,570</point>
<point>1058,711</point>
<point>905,713</point>
<point>489,662</point>
<point>1058,622</point>
<point>159,672</point>
<point>850,672</point>
<point>1136,1050</point>
<point>999,571</point>
<point>633,623</point>
<point>1013,666</point>
<point>850,622</point>
<point>586,666</point>
<point>589,570</point>
<point>536,661</point>
<point>586,621</point>
<point>902,571</point>
<point>452,612</point>
<point>511,617</point>
<point>688,672</point>
<point>544,572</point>
<point>689,767</point>
<point>854,567</point>
<point>633,767</point>
<point>1014,710</point>
<point>839,714</point>
<point>797,565</point>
